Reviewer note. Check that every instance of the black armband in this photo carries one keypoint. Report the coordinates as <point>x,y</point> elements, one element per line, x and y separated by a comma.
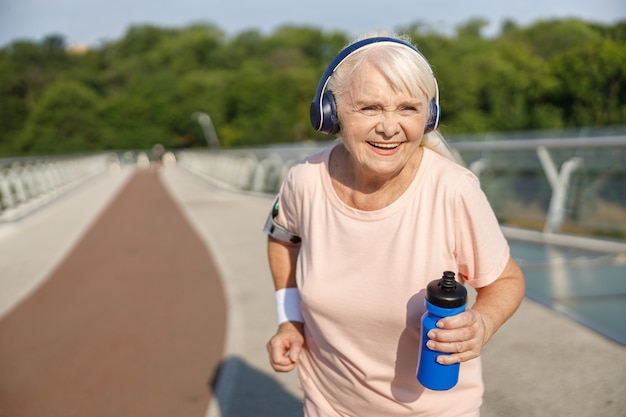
<point>278,232</point>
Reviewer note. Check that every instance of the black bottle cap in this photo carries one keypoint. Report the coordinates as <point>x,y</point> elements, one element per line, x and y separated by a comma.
<point>446,292</point>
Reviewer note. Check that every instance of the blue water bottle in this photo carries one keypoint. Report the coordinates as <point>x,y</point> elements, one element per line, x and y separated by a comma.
<point>444,297</point>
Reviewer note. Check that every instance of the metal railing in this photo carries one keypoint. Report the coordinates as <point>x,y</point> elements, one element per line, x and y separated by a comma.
<point>569,175</point>
<point>567,184</point>
<point>575,184</point>
<point>29,183</point>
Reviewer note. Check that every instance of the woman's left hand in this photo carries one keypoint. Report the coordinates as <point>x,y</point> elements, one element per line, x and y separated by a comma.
<point>462,335</point>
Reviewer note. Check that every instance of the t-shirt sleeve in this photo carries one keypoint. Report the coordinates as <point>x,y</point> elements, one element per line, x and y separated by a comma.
<point>287,205</point>
<point>481,249</point>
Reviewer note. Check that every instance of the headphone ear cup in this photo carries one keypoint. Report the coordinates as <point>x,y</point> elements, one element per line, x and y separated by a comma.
<point>330,120</point>
<point>433,120</point>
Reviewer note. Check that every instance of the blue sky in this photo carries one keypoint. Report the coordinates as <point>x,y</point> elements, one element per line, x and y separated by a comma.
<point>96,21</point>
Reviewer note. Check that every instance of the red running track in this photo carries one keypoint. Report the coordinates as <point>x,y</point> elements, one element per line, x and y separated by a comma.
<point>131,323</point>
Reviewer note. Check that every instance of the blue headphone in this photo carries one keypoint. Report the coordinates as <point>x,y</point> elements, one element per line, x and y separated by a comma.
<point>323,111</point>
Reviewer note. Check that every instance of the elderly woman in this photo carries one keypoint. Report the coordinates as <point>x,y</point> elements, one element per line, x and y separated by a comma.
<point>358,231</point>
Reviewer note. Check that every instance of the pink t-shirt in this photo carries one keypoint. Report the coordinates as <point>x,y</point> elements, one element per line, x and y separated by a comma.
<point>362,277</point>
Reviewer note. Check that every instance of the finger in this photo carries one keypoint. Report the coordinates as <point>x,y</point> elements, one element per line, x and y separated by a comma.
<point>465,319</point>
<point>456,351</point>
<point>295,351</point>
<point>447,347</point>
<point>283,367</point>
<point>277,351</point>
<point>280,357</point>
<point>457,357</point>
<point>462,334</point>
<point>457,340</point>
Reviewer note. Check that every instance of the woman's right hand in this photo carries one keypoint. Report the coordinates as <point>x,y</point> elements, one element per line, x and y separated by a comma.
<point>286,346</point>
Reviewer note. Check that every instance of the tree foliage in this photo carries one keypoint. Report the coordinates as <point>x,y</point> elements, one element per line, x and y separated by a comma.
<point>144,88</point>
<point>74,129</point>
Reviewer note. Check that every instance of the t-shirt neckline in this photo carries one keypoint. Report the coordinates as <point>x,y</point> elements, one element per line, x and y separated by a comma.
<point>370,215</point>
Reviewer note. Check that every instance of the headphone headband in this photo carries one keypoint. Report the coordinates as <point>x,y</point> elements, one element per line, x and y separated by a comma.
<point>323,112</point>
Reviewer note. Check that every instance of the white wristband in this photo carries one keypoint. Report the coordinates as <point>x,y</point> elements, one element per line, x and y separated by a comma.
<point>288,305</point>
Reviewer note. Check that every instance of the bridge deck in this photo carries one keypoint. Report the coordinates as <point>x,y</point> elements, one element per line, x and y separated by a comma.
<point>157,321</point>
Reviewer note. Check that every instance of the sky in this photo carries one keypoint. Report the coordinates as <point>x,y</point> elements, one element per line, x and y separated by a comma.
<point>94,22</point>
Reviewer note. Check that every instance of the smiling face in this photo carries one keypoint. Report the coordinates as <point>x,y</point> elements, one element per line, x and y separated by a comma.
<point>381,127</point>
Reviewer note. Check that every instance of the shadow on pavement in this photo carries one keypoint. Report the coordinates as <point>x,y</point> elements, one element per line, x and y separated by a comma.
<point>243,391</point>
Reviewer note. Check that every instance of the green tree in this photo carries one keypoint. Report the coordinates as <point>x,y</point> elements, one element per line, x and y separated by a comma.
<point>143,88</point>
<point>26,69</point>
<point>592,84</point>
<point>196,47</point>
<point>146,112</point>
<point>551,37</point>
<point>64,120</point>
<point>471,29</point>
<point>138,40</point>
<point>14,106</point>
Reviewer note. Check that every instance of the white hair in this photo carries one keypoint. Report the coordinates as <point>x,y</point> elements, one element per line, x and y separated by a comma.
<point>405,69</point>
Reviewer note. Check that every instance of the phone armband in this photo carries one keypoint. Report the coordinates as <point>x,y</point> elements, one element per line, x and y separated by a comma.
<point>278,232</point>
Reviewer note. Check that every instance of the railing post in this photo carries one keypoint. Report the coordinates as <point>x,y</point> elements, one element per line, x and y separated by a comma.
<point>6,193</point>
<point>477,167</point>
<point>29,184</point>
<point>559,183</point>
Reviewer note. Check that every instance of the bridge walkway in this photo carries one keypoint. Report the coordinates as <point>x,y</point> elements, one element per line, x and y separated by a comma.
<point>147,292</point>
